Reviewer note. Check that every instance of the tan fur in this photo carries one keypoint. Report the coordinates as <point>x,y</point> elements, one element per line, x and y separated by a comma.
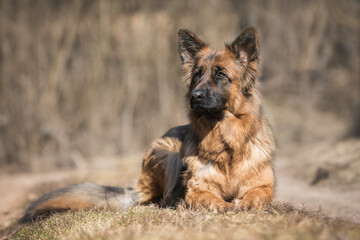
<point>219,162</point>
<point>161,165</point>
<point>229,160</point>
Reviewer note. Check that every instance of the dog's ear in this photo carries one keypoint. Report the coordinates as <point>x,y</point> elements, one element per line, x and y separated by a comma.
<point>245,48</point>
<point>189,46</point>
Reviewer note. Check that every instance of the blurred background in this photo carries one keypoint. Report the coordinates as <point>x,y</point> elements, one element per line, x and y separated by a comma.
<point>81,79</point>
<point>86,85</point>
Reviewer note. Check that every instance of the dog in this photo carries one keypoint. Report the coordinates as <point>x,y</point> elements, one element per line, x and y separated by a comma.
<point>220,161</point>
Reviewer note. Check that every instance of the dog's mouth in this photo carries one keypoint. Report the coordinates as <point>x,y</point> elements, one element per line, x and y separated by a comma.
<point>208,111</point>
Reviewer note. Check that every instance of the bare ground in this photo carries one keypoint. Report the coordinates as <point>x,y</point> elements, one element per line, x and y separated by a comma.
<point>335,202</point>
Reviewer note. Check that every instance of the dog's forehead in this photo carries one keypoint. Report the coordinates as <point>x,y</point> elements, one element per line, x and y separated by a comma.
<point>215,57</point>
<point>208,54</point>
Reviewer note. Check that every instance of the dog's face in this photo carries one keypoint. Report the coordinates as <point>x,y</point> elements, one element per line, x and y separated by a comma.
<point>218,80</point>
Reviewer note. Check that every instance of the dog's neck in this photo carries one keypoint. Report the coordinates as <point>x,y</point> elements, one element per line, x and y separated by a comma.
<point>219,139</point>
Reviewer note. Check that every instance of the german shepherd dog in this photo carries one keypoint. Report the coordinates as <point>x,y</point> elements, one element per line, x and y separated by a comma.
<point>221,160</point>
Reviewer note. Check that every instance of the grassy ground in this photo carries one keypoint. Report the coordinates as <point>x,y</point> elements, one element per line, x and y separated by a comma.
<point>280,221</point>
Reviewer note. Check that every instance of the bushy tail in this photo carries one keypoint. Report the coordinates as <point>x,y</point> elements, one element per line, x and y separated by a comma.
<point>81,196</point>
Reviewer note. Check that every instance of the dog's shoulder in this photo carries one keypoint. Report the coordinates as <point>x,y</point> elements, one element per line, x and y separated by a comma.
<point>178,132</point>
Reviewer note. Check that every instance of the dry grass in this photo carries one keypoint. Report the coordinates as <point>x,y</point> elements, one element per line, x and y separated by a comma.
<point>282,221</point>
<point>149,222</point>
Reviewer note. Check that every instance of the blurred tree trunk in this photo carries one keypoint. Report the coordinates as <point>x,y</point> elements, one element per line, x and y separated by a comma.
<point>355,131</point>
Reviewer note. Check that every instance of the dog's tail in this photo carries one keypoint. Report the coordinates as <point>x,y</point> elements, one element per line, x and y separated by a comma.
<point>79,197</point>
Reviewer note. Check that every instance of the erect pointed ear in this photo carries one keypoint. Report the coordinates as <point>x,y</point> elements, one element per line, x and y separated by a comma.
<point>189,45</point>
<point>245,47</point>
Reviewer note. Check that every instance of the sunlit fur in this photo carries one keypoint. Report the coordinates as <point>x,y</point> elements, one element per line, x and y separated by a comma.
<point>224,162</point>
<point>220,161</point>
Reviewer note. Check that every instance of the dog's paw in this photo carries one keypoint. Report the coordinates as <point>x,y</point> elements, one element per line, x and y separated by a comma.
<point>223,207</point>
<point>248,204</point>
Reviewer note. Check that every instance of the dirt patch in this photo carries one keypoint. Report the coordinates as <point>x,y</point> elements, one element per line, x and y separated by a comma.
<point>17,190</point>
<point>334,202</point>
<point>332,164</point>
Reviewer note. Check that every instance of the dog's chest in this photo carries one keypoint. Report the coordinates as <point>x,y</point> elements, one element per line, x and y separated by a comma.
<point>222,180</point>
<point>217,167</point>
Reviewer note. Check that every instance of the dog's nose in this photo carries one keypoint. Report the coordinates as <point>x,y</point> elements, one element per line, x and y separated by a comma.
<point>197,95</point>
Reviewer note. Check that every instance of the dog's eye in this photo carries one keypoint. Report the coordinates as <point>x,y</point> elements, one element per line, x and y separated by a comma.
<point>197,75</point>
<point>221,75</point>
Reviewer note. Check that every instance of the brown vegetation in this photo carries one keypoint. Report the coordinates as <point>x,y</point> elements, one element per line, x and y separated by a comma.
<point>281,221</point>
<point>85,78</point>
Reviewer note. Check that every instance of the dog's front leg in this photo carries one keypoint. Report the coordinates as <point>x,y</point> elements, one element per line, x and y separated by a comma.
<point>208,200</point>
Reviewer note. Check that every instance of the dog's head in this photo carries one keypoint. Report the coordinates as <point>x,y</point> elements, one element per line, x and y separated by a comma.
<point>219,80</point>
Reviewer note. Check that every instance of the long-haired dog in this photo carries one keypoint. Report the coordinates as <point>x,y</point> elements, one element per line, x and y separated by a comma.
<point>221,160</point>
